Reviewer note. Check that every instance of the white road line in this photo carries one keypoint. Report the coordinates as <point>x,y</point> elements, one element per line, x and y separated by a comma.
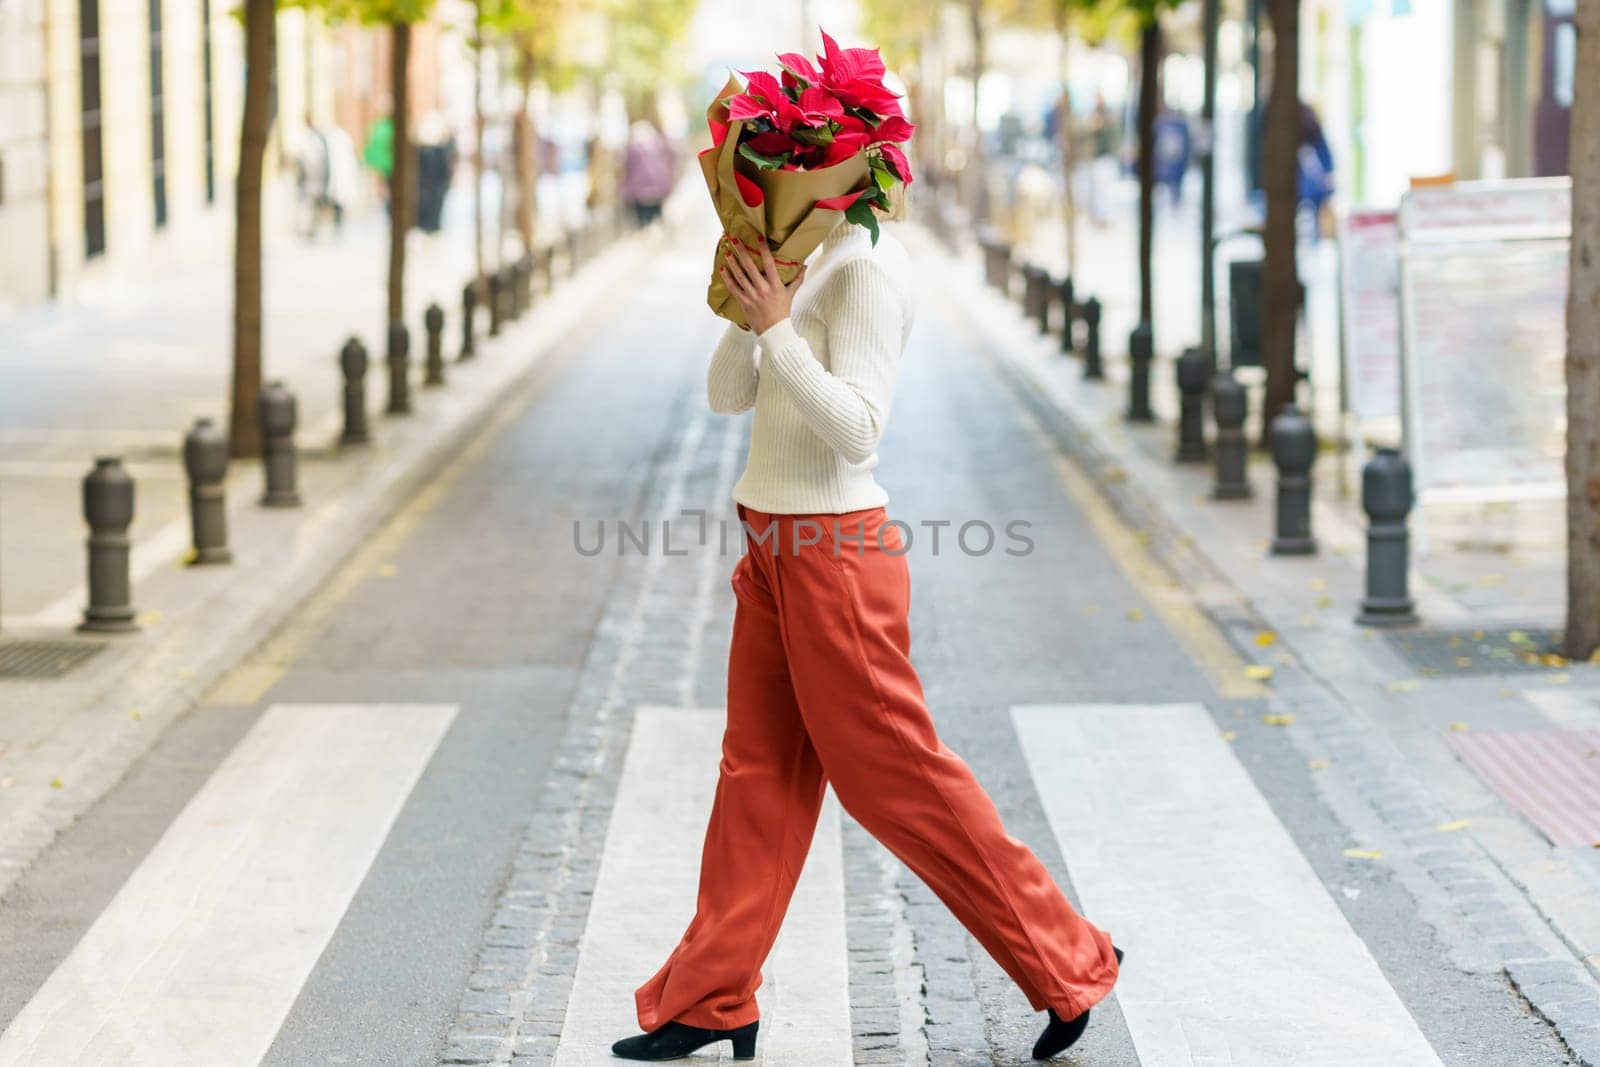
<point>644,896</point>
<point>1236,953</point>
<point>202,952</point>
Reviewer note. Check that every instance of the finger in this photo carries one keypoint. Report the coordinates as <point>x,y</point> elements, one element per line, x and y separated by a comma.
<point>735,286</point>
<point>747,265</point>
<point>798,278</point>
<point>769,265</point>
<point>740,265</point>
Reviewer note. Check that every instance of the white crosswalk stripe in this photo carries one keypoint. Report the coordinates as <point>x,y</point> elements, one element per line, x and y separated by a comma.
<point>201,954</point>
<point>645,896</point>
<point>1237,955</point>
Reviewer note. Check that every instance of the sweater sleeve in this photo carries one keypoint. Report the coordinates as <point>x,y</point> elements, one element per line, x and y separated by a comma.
<point>731,379</point>
<point>848,406</point>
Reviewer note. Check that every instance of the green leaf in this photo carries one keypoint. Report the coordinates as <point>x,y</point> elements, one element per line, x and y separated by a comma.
<point>764,162</point>
<point>882,178</point>
<point>861,214</point>
<point>818,135</point>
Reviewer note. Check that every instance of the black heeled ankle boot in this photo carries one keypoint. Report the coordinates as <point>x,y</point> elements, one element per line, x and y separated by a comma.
<point>1061,1034</point>
<point>674,1040</point>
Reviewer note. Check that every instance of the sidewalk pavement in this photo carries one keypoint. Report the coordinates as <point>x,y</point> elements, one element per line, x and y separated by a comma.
<point>1470,758</point>
<point>65,741</point>
<point>127,368</point>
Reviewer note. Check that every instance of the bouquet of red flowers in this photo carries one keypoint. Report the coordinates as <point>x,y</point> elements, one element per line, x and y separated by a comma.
<point>792,152</point>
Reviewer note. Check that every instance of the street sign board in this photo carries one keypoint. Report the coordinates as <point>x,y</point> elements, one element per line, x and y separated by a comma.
<point>1483,289</point>
<point>1369,307</point>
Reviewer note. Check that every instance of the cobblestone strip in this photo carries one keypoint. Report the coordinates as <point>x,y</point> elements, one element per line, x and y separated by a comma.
<point>516,999</point>
<point>953,1019</point>
<point>886,982</point>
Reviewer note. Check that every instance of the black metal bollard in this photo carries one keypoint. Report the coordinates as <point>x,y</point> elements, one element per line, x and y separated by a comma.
<point>469,320</point>
<point>525,281</point>
<point>1387,498</point>
<point>1294,450</point>
<point>1141,350</point>
<point>399,361</point>
<point>1041,310</point>
<point>205,460</point>
<point>497,301</point>
<point>353,366</point>
<point>433,322</point>
<point>1193,371</point>
<point>1030,290</point>
<point>108,509</point>
<point>1230,405</point>
<point>1092,366</point>
<point>278,418</point>
<point>547,258</point>
<point>511,290</point>
<point>1069,312</point>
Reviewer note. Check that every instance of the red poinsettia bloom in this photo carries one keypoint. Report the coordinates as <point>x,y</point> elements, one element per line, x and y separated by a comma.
<point>815,116</point>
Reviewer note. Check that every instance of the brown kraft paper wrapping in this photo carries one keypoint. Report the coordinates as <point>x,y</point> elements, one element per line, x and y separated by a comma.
<point>789,215</point>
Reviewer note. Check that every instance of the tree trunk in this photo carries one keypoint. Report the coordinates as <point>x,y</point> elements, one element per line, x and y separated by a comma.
<point>402,181</point>
<point>1069,161</point>
<point>1149,95</point>
<point>477,143</point>
<point>525,141</point>
<point>1583,347</point>
<point>244,425</point>
<point>980,61</point>
<point>1280,289</point>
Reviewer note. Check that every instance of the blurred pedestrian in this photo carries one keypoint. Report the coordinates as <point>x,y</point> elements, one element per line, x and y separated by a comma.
<point>436,164</point>
<point>1106,136</point>
<point>312,169</point>
<point>649,170</point>
<point>343,173</point>
<point>1172,143</point>
<point>1314,163</point>
<point>378,152</point>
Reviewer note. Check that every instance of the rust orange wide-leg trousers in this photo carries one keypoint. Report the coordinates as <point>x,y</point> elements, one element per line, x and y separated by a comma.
<point>821,689</point>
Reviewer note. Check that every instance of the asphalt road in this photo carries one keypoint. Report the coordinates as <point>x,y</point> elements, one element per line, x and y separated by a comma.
<point>474,597</point>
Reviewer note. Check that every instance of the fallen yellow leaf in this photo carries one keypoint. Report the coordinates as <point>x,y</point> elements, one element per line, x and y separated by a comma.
<point>1134,614</point>
<point>1324,601</point>
<point>135,714</point>
<point>1404,685</point>
<point>1449,827</point>
<point>149,618</point>
<point>186,672</point>
<point>1518,637</point>
<point>1277,720</point>
<point>1551,659</point>
<point>1259,672</point>
<point>1317,764</point>
<point>1363,853</point>
<point>1463,661</point>
<point>1230,735</point>
<point>1460,727</point>
<point>55,783</point>
<point>1560,679</point>
<point>1265,638</point>
<point>1317,585</point>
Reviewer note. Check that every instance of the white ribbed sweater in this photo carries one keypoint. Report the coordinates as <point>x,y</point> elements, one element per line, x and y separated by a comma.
<point>823,379</point>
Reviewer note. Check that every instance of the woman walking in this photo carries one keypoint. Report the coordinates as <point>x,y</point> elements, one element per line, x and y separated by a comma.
<point>820,683</point>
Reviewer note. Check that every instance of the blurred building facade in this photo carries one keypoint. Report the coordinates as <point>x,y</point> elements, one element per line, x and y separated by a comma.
<point>119,128</point>
<point>1474,89</point>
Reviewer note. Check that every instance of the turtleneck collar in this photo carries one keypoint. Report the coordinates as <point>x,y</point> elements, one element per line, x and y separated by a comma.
<point>841,232</point>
